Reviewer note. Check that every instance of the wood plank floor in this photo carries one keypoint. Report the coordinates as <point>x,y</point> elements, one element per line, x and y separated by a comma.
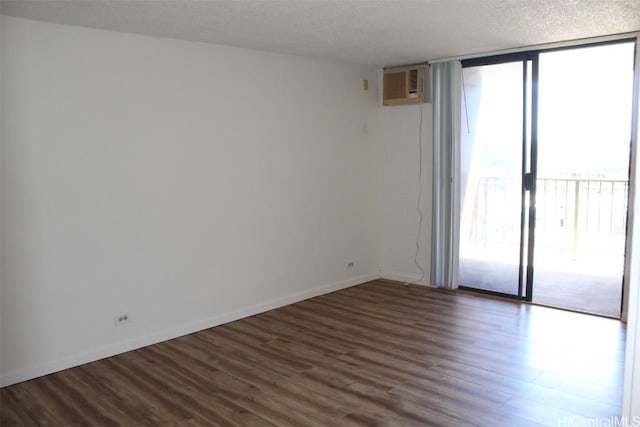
<point>378,354</point>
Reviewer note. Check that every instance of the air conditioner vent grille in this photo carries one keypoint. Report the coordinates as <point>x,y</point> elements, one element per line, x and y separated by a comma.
<point>403,86</point>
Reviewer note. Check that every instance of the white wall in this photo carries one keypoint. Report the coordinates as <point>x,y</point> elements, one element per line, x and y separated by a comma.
<point>631,393</point>
<point>399,159</point>
<point>186,184</point>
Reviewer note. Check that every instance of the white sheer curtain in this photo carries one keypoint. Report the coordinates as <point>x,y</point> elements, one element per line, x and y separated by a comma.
<point>446,84</point>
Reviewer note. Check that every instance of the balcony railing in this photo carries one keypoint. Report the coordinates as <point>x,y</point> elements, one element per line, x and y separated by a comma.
<point>572,214</point>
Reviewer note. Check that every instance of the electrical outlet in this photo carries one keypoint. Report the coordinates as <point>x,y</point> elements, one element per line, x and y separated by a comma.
<point>350,264</point>
<point>121,319</point>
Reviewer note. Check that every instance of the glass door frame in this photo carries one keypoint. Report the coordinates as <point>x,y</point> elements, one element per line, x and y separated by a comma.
<point>529,62</point>
<point>529,164</point>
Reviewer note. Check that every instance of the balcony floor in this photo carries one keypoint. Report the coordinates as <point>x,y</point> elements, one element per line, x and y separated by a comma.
<point>587,283</point>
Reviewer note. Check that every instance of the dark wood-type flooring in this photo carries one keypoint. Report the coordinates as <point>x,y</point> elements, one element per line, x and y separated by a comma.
<point>376,354</point>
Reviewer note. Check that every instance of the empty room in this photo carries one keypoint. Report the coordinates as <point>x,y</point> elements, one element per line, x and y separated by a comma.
<point>319,213</point>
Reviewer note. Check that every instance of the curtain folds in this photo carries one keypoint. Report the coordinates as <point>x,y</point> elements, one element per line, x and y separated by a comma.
<point>446,84</point>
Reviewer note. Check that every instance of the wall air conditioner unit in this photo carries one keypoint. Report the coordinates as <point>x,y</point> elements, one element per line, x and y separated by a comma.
<point>405,85</point>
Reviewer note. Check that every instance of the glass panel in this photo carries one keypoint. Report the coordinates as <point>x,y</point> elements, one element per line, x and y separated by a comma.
<point>584,131</point>
<point>491,169</point>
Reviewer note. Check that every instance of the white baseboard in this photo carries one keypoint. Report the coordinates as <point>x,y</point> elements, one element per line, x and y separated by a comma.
<point>143,341</point>
<point>405,278</point>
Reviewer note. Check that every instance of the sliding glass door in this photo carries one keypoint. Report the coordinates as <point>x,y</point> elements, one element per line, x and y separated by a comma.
<point>495,145</point>
<point>545,145</point>
<point>583,176</point>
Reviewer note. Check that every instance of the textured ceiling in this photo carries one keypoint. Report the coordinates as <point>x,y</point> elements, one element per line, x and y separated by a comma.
<point>389,32</point>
